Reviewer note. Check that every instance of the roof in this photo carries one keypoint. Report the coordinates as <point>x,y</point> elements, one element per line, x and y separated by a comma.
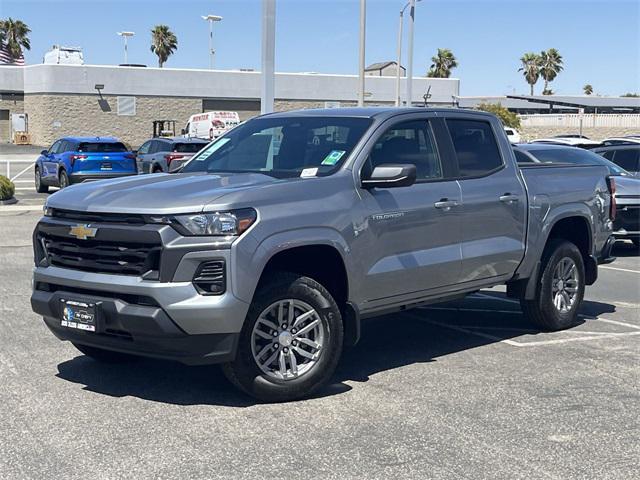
<point>543,146</point>
<point>181,139</point>
<point>580,101</point>
<point>91,139</point>
<point>381,65</point>
<point>371,112</point>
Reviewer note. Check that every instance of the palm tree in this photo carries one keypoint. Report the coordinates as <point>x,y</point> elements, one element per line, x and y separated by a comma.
<point>587,89</point>
<point>163,43</point>
<point>443,63</point>
<point>550,66</point>
<point>530,68</point>
<point>15,35</point>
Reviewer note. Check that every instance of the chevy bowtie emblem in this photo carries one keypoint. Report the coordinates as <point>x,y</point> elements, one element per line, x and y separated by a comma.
<point>82,232</point>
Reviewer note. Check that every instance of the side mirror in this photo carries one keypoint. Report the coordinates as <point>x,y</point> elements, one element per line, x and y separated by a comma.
<point>183,131</point>
<point>44,152</point>
<point>391,175</point>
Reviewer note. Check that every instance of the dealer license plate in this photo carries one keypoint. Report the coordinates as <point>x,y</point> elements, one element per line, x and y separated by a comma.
<point>78,315</point>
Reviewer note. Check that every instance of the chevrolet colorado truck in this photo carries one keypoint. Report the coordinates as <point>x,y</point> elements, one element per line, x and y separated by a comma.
<point>269,247</point>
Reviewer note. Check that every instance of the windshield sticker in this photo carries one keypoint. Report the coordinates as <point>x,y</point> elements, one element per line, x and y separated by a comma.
<point>333,157</point>
<point>204,154</point>
<point>309,172</point>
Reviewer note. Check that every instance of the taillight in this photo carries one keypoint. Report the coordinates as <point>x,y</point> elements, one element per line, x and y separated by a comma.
<point>611,185</point>
<point>77,157</point>
<point>171,157</point>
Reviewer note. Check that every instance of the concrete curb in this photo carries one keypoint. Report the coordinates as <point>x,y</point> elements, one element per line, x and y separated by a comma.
<point>8,209</point>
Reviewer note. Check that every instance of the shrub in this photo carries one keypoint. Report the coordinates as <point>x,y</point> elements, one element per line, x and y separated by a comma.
<point>7,188</point>
<point>509,119</point>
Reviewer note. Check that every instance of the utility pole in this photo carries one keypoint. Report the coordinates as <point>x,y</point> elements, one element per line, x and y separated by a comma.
<point>412,14</point>
<point>363,22</point>
<point>268,55</point>
<point>126,35</point>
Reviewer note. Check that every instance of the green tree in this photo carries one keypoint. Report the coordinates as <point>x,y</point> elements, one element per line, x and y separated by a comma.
<point>443,62</point>
<point>550,66</point>
<point>530,68</point>
<point>587,89</point>
<point>508,118</point>
<point>163,43</point>
<point>15,35</point>
<point>632,95</point>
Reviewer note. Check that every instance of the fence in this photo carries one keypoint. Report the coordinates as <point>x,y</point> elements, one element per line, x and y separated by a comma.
<point>589,120</point>
<point>25,166</point>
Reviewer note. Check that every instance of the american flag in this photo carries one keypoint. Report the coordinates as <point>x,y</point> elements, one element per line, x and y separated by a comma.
<point>5,58</point>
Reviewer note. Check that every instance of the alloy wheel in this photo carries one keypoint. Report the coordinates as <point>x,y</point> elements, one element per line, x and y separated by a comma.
<point>565,283</point>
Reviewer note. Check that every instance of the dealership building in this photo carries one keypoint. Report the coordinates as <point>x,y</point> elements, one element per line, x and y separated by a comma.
<point>61,100</point>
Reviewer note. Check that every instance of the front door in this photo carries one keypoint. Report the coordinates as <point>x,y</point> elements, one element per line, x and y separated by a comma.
<point>413,232</point>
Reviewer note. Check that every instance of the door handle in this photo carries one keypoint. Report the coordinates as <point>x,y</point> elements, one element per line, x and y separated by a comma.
<point>509,198</point>
<point>446,204</point>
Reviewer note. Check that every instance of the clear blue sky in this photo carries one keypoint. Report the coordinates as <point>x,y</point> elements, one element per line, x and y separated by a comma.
<point>600,40</point>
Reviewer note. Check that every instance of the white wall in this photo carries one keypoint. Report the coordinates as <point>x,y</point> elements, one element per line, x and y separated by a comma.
<point>11,79</point>
<point>81,79</point>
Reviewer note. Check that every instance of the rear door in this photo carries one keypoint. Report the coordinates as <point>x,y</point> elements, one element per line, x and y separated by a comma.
<point>142,163</point>
<point>413,233</point>
<point>493,210</point>
<point>50,162</point>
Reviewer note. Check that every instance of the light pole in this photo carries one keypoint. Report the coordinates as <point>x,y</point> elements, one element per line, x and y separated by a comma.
<point>268,55</point>
<point>211,19</point>
<point>412,16</point>
<point>126,35</point>
<point>363,24</point>
<point>399,61</point>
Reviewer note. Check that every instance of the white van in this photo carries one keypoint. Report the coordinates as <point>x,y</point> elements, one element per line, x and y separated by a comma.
<point>64,56</point>
<point>210,125</point>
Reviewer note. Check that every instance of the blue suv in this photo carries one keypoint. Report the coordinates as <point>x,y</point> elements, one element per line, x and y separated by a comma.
<point>81,159</point>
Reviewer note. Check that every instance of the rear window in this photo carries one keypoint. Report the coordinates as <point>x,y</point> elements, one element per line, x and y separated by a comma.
<point>628,159</point>
<point>188,147</point>
<point>101,147</point>
<point>567,155</point>
<point>475,146</point>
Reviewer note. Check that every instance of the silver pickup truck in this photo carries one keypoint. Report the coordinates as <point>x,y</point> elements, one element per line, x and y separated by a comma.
<point>268,248</point>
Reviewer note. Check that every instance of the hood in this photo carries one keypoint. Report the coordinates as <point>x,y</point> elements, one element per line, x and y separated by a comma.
<point>154,194</point>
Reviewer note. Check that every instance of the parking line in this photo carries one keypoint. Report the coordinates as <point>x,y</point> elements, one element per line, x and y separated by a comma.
<point>620,269</point>
<point>491,297</point>
<point>617,322</point>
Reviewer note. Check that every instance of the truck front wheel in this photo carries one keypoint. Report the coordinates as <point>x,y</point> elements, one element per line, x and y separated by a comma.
<point>291,341</point>
<point>560,288</point>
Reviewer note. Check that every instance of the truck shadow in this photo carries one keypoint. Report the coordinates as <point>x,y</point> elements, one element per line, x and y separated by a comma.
<point>387,343</point>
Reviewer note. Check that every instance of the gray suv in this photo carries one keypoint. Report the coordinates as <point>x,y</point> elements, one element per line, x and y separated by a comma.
<point>279,237</point>
<point>167,154</point>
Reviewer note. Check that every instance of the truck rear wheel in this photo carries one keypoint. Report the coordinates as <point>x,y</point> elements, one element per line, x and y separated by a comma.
<point>291,341</point>
<point>105,356</point>
<point>560,288</point>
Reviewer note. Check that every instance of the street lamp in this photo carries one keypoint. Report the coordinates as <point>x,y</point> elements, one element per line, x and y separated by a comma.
<point>412,14</point>
<point>363,23</point>
<point>398,99</point>
<point>211,19</point>
<point>126,35</point>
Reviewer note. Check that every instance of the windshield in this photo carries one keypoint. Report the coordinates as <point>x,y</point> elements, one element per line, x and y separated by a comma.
<point>577,156</point>
<point>282,146</point>
<point>102,147</point>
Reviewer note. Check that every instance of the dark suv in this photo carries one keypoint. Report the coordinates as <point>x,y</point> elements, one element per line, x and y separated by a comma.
<point>626,156</point>
<point>167,154</point>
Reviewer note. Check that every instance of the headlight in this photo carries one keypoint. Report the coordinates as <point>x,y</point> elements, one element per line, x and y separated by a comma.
<point>48,211</point>
<point>217,224</point>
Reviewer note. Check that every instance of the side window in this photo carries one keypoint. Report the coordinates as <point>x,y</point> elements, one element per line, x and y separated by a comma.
<point>627,159</point>
<point>522,157</point>
<point>608,155</point>
<point>408,142</point>
<point>163,146</point>
<point>475,146</point>
<point>153,147</point>
<point>55,148</point>
<point>65,146</point>
<point>144,148</point>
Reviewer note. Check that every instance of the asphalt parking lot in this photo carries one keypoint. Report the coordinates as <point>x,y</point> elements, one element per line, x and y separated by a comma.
<point>461,390</point>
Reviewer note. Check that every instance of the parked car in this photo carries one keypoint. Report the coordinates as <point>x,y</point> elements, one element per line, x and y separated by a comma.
<point>82,159</point>
<point>512,134</point>
<point>166,154</point>
<point>626,140</point>
<point>210,125</point>
<point>626,156</point>
<point>571,140</point>
<point>265,259</point>
<point>627,188</point>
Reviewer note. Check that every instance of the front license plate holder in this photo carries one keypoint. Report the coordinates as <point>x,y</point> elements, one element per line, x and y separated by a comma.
<point>79,315</point>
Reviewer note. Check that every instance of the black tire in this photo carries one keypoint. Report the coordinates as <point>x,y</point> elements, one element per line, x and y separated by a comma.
<point>541,310</point>
<point>245,373</point>
<point>40,187</point>
<point>63,179</point>
<point>105,356</point>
